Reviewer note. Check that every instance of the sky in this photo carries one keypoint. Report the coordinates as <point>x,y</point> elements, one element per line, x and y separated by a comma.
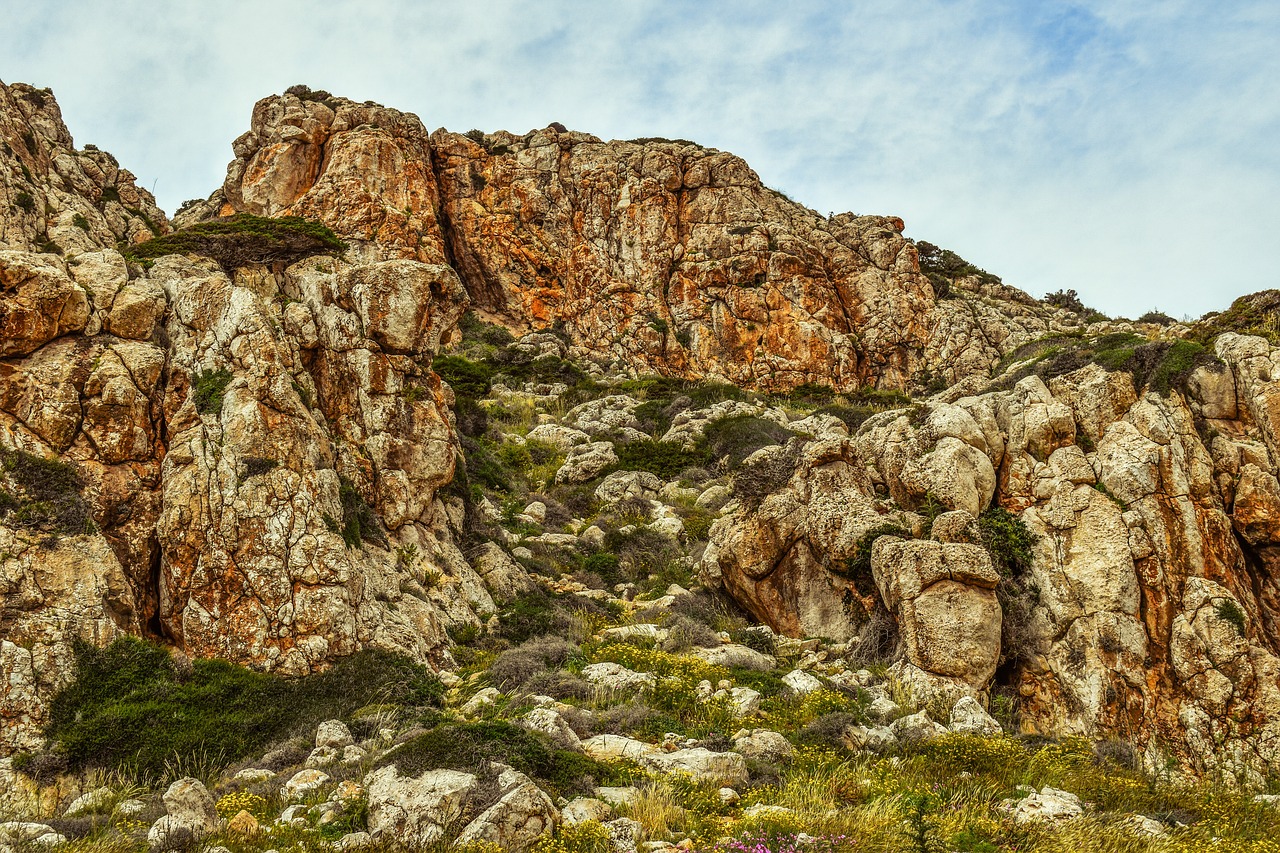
<point>1127,150</point>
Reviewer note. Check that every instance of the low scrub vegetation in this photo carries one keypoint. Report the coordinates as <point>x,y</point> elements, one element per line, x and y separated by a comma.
<point>240,240</point>
<point>133,705</point>
<point>42,494</point>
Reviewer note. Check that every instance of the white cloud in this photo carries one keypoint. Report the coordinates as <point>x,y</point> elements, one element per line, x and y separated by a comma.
<point>1124,149</point>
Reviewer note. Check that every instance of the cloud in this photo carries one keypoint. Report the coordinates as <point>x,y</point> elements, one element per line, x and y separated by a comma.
<point>1124,149</point>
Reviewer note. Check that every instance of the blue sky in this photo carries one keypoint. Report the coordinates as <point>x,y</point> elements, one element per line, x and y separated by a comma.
<point>1124,149</point>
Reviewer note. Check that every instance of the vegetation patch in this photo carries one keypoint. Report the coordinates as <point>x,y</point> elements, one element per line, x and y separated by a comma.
<point>943,267</point>
<point>475,746</point>
<point>130,705</point>
<point>1254,314</point>
<point>1160,366</point>
<point>1007,539</point>
<point>240,240</point>
<point>663,458</point>
<point>208,388</point>
<point>44,494</point>
<point>359,523</point>
<point>736,438</point>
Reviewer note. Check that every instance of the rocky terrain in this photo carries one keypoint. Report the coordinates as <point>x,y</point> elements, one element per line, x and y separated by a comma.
<point>693,513</point>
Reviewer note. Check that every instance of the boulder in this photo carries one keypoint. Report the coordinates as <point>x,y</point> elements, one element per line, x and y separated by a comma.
<point>763,745</point>
<point>415,811</point>
<point>302,784</point>
<point>586,461</point>
<point>801,682</point>
<point>1049,805</point>
<point>621,485</point>
<point>334,733</point>
<point>522,814</point>
<point>734,655</point>
<point>968,716</point>
<point>583,809</point>
<point>616,677</point>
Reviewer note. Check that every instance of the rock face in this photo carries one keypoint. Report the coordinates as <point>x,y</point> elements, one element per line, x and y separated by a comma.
<point>255,464</point>
<point>221,432</point>
<point>1148,608</point>
<point>663,256</point>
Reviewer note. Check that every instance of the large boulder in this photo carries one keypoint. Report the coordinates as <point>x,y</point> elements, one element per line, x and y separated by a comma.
<point>417,810</point>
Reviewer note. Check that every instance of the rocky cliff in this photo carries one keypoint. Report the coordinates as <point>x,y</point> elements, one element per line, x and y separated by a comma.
<point>258,461</point>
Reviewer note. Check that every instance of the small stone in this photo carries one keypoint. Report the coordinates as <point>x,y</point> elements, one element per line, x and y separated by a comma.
<point>333,733</point>
<point>303,783</point>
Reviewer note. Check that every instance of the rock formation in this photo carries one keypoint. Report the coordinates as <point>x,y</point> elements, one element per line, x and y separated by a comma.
<point>258,462</point>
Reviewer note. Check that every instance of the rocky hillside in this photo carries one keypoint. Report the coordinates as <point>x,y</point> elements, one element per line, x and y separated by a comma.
<point>436,396</point>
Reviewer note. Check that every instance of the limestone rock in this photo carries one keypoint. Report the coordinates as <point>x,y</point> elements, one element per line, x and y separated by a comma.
<point>1048,805</point>
<point>968,716</point>
<point>415,810</point>
<point>763,745</point>
<point>522,814</point>
<point>586,461</point>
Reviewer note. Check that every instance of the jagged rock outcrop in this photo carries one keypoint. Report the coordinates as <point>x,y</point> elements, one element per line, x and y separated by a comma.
<point>1151,612</point>
<point>256,459</point>
<point>660,256</point>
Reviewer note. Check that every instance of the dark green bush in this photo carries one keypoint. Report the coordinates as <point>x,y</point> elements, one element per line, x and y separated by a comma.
<point>605,565</point>
<point>474,746</point>
<point>943,266</point>
<point>739,437</point>
<point>665,459</point>
<point>475,330</point>
<point>858,565</point>
<point>1229,611</point>
<point>243,239</point>
<point>466,378</point>
<point>47,494</point>
<point>208,387</point>
<point>811,393</point>
<point>1007,539</point>
<point>129,705</point>
<point>80,222</point>
<point>1158,317</point>
<point>532,614</point>
<point>359,523</point>
<point>25,201</point>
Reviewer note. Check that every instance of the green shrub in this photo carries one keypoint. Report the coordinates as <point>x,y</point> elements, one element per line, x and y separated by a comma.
<point>475,330</point>
<point>1158,317</point>
<point>25,201</point>
<point>943,266</point>
<point>466,378</point>
<point>858,565</point>
<point>243,239</point>
<point>1007,539</point>
<point>811,393</point>
<point>130,705</point>
<point>208,387</point>
<point>47,494</point>
<point>80,222</point>
<point>359,523</point>
<point>474,746</point>
<point>1229,611</point>
<point>665,459</point>
<point>603,564</point>
<point>697,523</point>
<point>755,481</point>
<point>532,614</point>
<point>515,667</point>
<point>739,437</point>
